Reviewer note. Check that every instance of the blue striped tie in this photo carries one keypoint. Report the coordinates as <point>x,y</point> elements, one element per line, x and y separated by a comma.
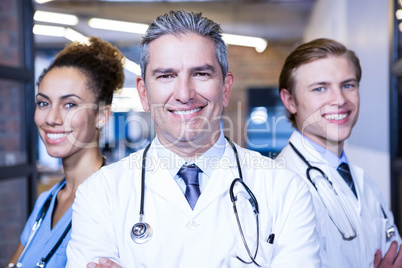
<point>190,176</point>
<point>344,171</point>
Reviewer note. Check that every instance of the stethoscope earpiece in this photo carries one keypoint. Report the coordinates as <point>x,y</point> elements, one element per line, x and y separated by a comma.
<point>141,232</point>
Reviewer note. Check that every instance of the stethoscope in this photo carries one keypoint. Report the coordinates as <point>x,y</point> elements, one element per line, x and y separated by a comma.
<point>39,219</point>
<point>390,229</point>
<point>141,232</point>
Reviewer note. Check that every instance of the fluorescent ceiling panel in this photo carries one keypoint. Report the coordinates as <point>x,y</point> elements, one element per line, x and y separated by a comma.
<point>58,18</point>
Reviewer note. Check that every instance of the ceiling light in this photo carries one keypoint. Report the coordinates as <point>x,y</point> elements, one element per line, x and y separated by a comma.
<point>75,36</point>
<point>58,31</point>
<point>239,40</point>
<point>132,67</point>
<point>399,14</point>
<point>42,1</point>
<point>58,18</point>
<point>259,115</point>
<point>258,43</point>
<point>115,25</point>
<point>157,1</point>
<point>49,30</point>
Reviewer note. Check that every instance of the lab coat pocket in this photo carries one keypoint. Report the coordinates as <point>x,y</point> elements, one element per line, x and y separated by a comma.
<point>381,239</point>
<point>263,257</point>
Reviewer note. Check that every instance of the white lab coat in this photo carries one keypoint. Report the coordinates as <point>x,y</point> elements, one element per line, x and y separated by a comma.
<point>365,211</point>
<point>107,207</point>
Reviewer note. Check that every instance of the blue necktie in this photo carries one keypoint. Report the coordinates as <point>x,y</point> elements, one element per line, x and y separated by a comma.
<point>190,176</point>
<point>344,171</point>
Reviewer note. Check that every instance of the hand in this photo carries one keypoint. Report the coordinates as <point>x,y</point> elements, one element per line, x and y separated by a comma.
<point>391,259</point>
<point>103,262</point>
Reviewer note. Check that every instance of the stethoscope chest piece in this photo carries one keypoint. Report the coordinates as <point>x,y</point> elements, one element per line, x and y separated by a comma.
<point>390,232</point>
<point>141,232</point>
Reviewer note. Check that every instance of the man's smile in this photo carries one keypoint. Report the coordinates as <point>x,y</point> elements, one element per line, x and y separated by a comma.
<point>336,116</point>
<point>185,112</point>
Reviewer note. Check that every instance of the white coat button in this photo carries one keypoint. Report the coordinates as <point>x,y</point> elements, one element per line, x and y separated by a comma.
<point>192,225</point>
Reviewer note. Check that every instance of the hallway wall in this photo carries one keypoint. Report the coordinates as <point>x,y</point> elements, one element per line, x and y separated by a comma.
<point>364,26</point>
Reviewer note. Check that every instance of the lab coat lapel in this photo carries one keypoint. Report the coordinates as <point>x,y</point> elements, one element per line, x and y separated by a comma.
<point>316,159</point>
<point>160,181</point>
<point>358,179</point>
<point>220,181</point>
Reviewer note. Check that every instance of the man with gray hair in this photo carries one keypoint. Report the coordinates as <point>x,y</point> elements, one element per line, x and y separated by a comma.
<point>192,198</point>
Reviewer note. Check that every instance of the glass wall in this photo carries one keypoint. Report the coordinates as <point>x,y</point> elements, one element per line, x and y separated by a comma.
<point>17,132</point>
<point>12,139</point>
<point>11,36</point>
<point>268,129</point>
<point>13,212</point>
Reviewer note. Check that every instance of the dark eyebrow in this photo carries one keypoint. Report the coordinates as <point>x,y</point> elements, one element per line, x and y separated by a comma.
<point>42,95</point>
<point>69,96</point>
<point>162,71</point>
<point>205,67</point>
<point>318,84</point>
<point>62,97</point>
<point>349,80</point>
<point>326,83</point>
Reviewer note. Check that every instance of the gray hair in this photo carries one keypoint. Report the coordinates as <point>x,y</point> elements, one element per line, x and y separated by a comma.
<point>182,22</point>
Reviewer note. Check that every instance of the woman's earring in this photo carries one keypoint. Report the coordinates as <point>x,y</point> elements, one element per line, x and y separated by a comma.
<point>99,125</point>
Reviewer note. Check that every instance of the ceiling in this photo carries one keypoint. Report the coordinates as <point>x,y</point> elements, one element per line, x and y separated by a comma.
<point>274,20</point>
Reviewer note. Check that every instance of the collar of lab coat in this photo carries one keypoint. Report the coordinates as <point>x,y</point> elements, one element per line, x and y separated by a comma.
<point>159,180</point>
<point>307,149</point>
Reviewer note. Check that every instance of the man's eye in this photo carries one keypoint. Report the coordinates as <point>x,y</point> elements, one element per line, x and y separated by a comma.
<point>319,89</point>
<point>165,76</point>
<point>349,86</point>
<point>202,75</point>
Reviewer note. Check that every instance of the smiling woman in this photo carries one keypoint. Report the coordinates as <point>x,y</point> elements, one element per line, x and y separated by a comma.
<point>72,105</point>
<point>62,115</point>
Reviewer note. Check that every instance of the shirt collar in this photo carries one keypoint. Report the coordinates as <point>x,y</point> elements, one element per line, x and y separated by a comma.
<point>328,156</point>
<point>206,162</point>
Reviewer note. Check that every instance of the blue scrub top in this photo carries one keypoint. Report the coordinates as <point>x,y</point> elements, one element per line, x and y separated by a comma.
<point>45,237</point>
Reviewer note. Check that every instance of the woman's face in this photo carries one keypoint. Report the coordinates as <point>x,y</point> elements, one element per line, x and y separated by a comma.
<point>66,113</point>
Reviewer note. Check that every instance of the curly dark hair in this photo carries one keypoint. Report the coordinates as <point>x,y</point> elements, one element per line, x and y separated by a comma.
<point>99,61</point>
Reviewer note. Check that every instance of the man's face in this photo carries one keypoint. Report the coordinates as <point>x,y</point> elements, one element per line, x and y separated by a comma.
<point>184,90</point>
<point>326,100</point>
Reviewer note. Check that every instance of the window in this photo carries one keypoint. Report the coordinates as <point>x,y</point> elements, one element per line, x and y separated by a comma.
<point>268,129</point>
<point>17,131</point>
